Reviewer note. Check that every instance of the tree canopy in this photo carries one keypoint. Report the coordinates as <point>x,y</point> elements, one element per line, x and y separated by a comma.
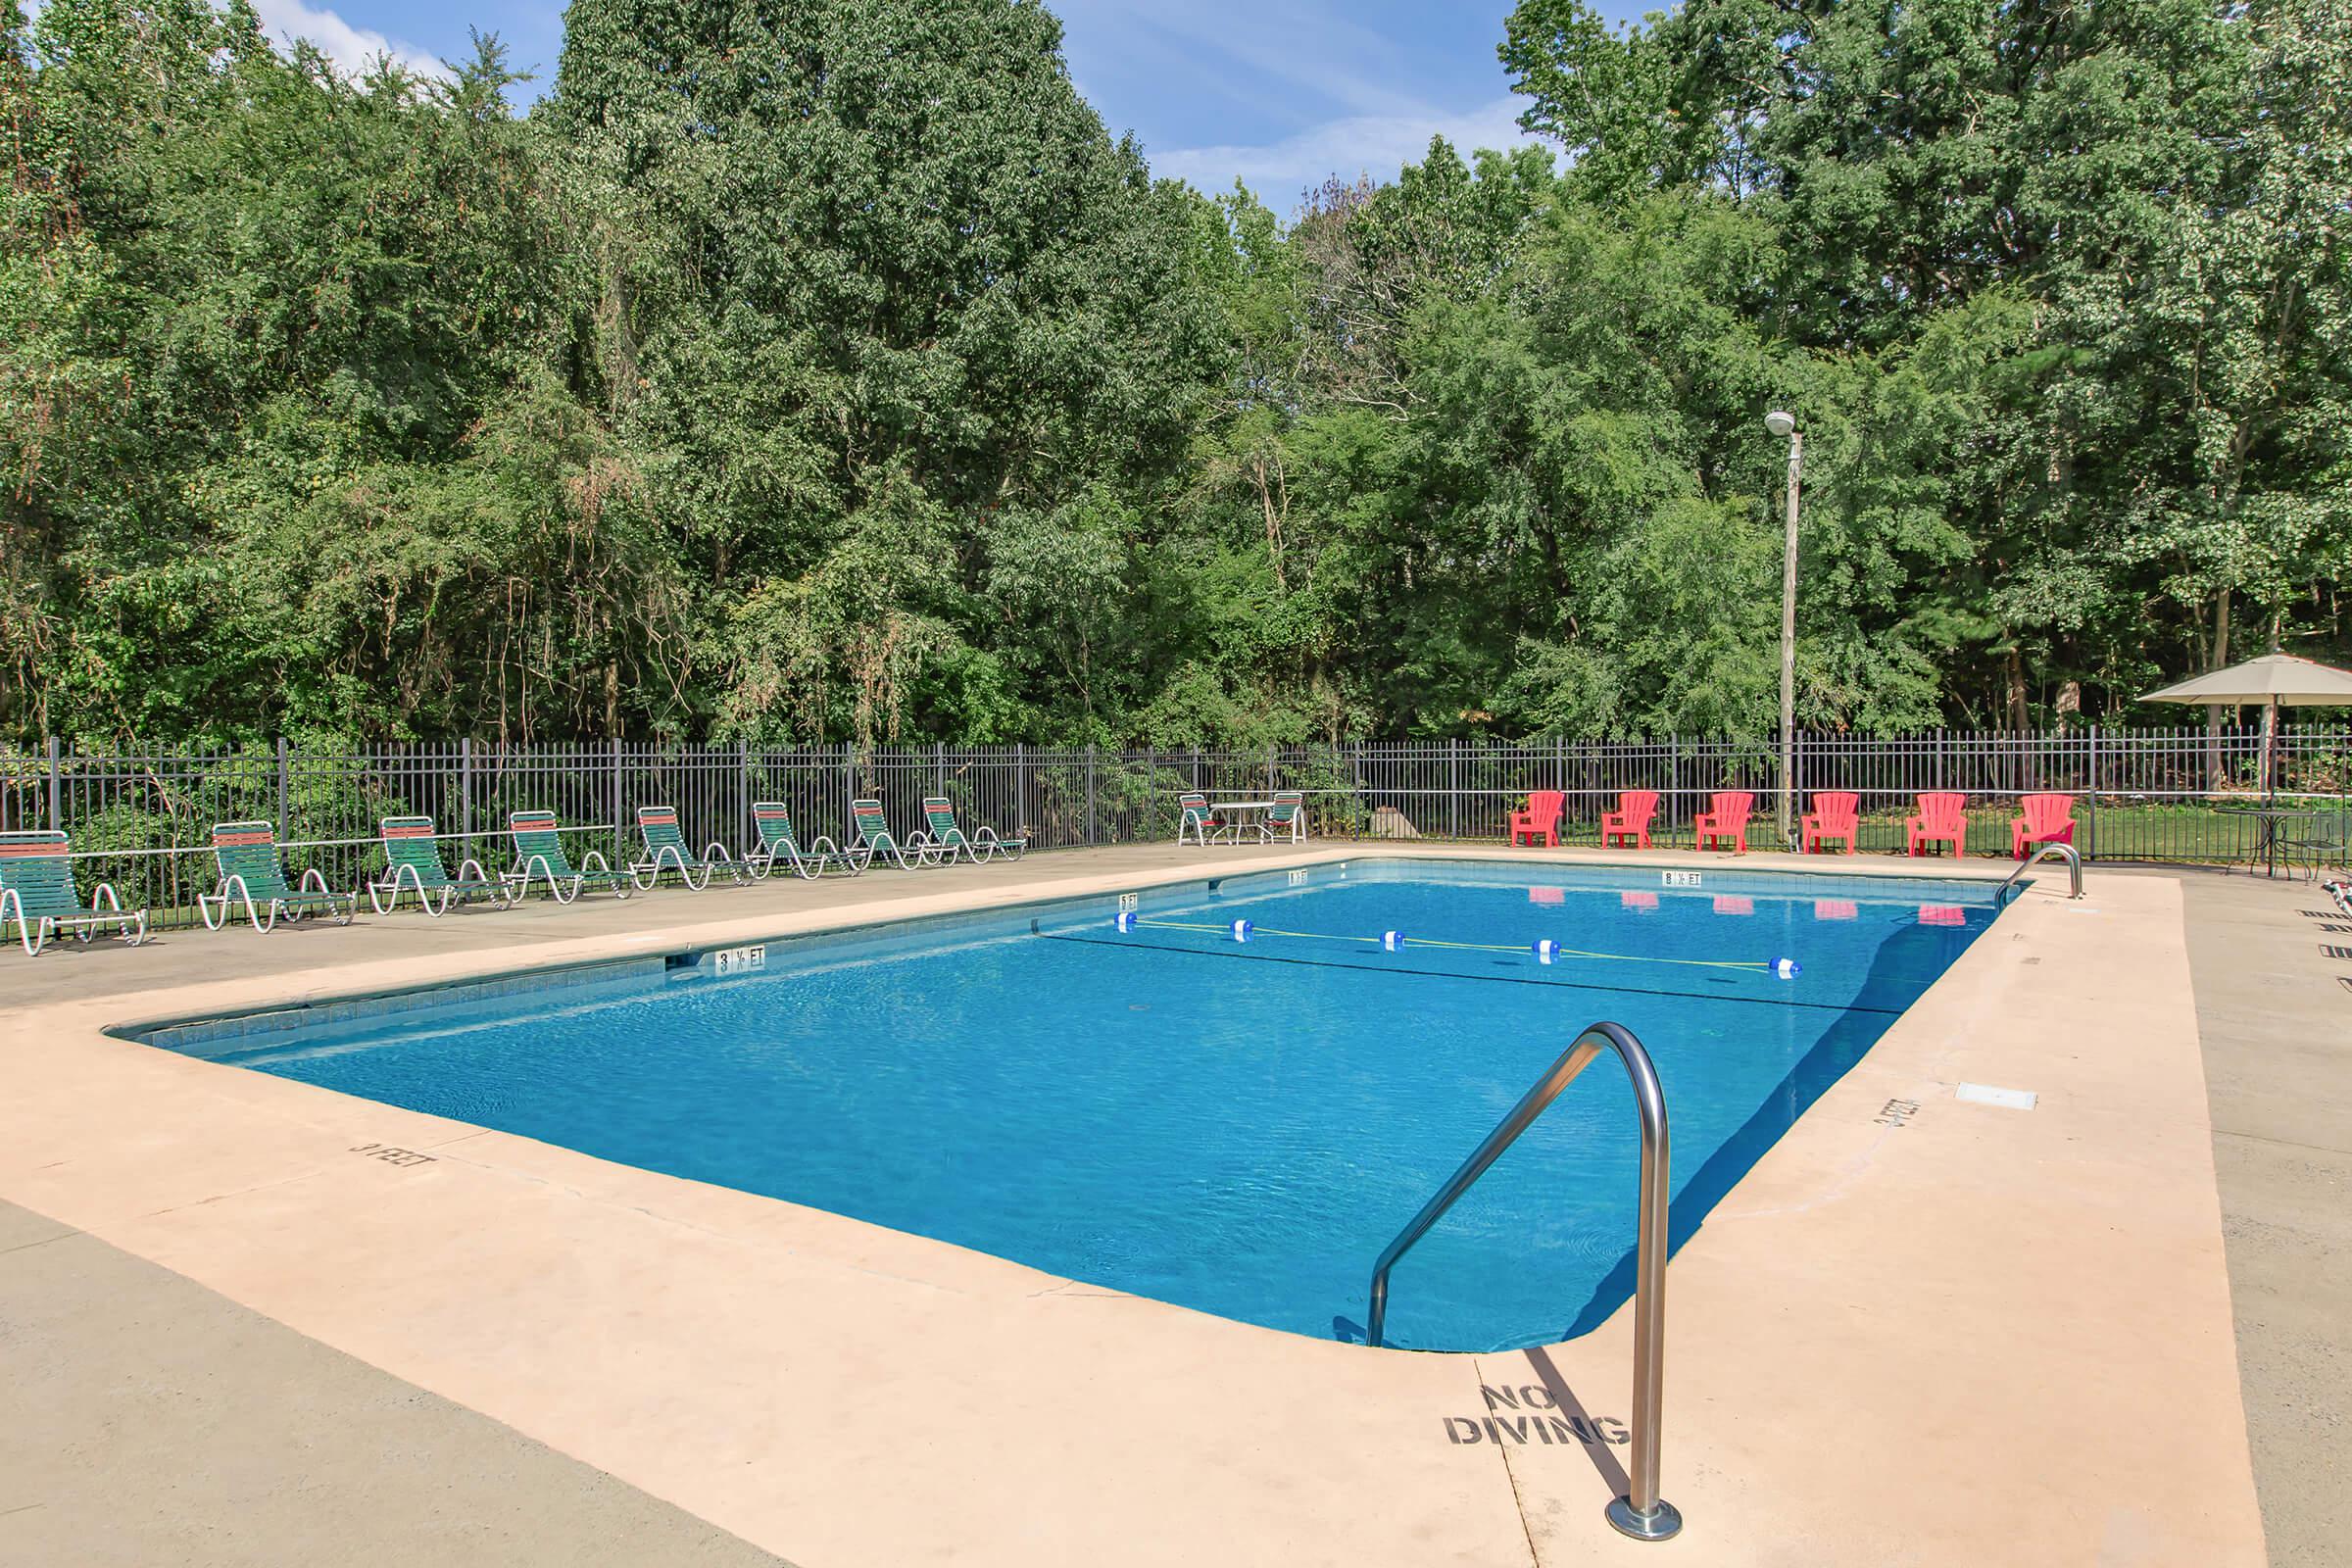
<point>825,369</point>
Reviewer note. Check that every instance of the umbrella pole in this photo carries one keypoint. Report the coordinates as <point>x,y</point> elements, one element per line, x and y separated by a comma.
<point>2269,752</point>
<point>2270,779</point>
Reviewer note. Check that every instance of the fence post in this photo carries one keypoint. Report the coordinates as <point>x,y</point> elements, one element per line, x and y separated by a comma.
<point>2091,849</point>
<point>1453,788</point>
<point>1090,795</point>
<point>465,795</point>
<point>285,792</point>
<point>57,809</point>
<point>1020,788</point>
<point>1797,794</point>
<point>747,834</point>
<point>1362,796</point>
<point>617,840</point>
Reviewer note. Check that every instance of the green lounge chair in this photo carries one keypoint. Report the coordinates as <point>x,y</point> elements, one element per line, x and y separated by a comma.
<point>772,821</point>
<point>666,850</point>
<point>37,891</point>
<point>412,860</point>
<point>539,853</point>
<point>1194,816</point>
<point>251,872</point>
<point>874,837</point>
<point>1286,818</point>
<point>940,814</point>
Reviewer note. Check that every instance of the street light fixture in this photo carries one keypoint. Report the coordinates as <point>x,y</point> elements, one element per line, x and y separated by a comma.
<point>1782,422</point>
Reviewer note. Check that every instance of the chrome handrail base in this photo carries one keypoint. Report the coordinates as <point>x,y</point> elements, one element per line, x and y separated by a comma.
<point>2065,851</point>
<point>1662,1523</point>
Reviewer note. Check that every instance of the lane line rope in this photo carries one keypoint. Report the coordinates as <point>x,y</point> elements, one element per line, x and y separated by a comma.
<point>1523,979</point>
<point>1746,965</point>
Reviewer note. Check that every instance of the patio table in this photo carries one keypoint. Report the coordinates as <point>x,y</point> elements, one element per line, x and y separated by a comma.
<point>1235,811</point>
<point>2269,821</point>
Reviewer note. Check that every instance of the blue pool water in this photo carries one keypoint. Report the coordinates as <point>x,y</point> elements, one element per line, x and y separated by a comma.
<point>1237,1127</point>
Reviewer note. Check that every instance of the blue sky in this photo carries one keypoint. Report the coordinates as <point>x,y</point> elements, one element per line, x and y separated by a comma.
<point>1276,92</point>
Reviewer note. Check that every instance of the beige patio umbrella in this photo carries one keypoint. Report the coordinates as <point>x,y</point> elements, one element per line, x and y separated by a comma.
<point>2275,680</point>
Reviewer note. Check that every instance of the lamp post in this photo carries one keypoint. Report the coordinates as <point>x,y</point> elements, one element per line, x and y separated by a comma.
<point>1781,422</point>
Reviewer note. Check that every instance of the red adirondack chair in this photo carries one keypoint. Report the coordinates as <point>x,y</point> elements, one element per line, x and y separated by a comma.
<point>1727,820</point>
<point>1834,816</point>
<point>1540,817</point>
<point>2048,819</point>
<point>1631,820</point>
<point>1939,821</point>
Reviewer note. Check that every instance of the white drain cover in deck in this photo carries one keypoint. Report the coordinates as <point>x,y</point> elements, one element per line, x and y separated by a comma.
<point>1987,1095</point>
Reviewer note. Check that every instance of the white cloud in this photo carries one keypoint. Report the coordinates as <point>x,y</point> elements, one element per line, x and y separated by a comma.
<point>1378,145</point>
<point>352,49</point>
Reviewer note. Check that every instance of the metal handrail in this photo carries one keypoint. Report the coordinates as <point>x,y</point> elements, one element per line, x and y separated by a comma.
<point>1640,1514</point>
<point>2065,851</point>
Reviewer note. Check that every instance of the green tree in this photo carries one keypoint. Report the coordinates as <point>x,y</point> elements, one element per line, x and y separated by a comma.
<point>2101,231</point>
<point>864,267</point>
<point>826,370</point>
<point>282,456</point>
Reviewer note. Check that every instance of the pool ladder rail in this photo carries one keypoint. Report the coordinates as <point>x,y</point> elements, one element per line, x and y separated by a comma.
<point>2064,852</point>
<point>1640,1514</point>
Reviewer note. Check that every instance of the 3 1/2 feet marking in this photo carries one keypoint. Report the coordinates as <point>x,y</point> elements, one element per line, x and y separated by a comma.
<point>392,1156</point>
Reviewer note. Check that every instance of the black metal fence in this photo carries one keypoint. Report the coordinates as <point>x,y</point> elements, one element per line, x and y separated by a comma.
<point>143,821</point>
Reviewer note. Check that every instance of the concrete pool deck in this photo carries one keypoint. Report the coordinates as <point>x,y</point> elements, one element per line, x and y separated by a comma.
<point>1921,1330</point>
<point>2274,1008</point>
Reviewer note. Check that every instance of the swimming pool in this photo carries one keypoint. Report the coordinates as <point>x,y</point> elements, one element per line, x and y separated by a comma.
<point>1238,1126</point>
